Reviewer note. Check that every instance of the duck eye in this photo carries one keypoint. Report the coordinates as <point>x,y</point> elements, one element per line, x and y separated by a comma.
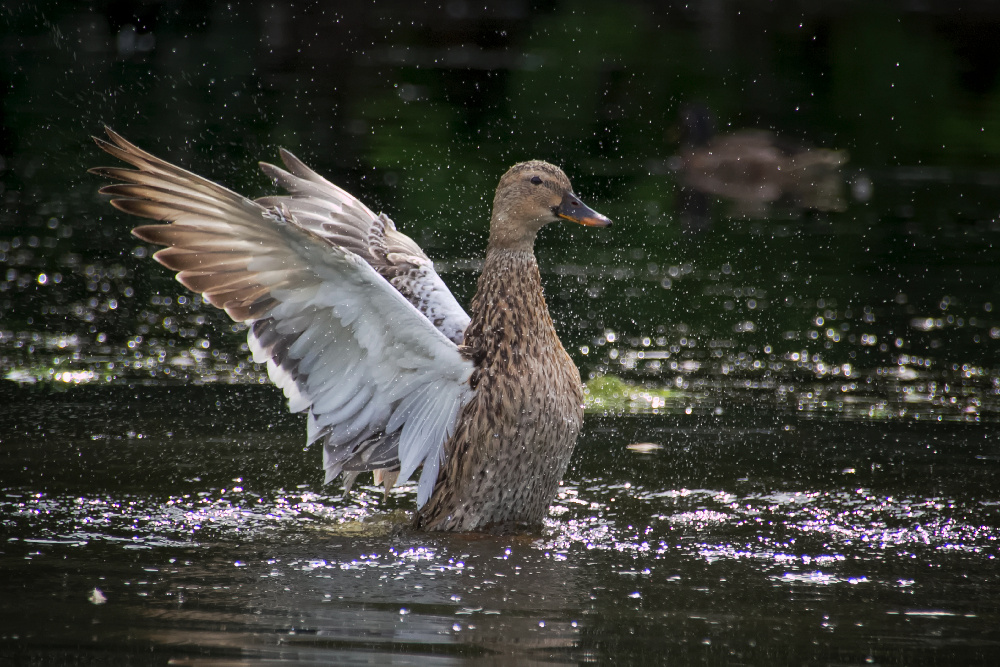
<point>536,180</point>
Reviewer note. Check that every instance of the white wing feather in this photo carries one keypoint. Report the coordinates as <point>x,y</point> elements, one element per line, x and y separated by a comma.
<point>380,382</point>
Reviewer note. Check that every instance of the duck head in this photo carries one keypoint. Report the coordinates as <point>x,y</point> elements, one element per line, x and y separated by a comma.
<point>531,195</point>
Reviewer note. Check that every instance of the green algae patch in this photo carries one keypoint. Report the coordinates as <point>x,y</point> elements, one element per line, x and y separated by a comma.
<point>610,394</point>
<point>377,525</point>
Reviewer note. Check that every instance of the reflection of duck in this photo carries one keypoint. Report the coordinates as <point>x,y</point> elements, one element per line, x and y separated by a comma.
<point>359,330</point>
<point>755,167</point>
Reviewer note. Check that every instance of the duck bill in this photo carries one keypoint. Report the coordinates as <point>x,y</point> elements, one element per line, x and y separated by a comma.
<point>571,208</point>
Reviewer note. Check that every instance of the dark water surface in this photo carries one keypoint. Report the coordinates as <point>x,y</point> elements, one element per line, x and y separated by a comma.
<point>758,538</point>
<point>813,383</point>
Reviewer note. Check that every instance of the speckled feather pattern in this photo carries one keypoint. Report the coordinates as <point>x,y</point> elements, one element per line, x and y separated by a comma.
<point>515,438</point>
<point>400,261</point>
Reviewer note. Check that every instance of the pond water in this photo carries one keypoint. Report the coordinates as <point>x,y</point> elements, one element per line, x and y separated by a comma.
<point>791,451</point>
<point>758,536</point>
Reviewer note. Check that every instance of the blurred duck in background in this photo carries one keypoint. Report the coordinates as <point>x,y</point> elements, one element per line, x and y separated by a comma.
<point>753,169</point>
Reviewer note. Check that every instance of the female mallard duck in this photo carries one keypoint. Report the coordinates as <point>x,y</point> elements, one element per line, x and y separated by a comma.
<point>359,330</point>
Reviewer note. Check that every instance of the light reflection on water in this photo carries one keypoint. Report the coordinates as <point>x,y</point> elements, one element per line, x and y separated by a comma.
<point>268,576</point>
<point>847,365</point>
<point>780,529</point>
<point>813,525</point>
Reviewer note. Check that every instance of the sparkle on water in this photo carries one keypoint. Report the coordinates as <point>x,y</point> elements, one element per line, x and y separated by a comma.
<point>679,369</point>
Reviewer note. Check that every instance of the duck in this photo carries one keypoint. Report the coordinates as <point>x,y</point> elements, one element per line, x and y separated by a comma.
<point>756,167</point>
<point>360,332</point>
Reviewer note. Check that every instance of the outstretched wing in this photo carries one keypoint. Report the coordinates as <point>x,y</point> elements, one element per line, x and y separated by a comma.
<point>381,384</point>
<point>323,208</point>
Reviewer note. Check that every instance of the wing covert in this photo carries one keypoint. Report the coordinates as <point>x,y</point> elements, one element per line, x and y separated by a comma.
<point>331,212</point>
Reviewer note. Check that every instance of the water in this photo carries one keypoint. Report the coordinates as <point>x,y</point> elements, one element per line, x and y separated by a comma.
<point>791,449</point>
<point>753,538</point>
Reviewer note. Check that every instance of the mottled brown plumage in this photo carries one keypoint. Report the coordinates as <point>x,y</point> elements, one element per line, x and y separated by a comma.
<point>515,437</point>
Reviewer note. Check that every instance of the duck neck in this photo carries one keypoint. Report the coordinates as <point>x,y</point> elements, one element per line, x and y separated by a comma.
<point>509,307</point>
<point>506,235</point>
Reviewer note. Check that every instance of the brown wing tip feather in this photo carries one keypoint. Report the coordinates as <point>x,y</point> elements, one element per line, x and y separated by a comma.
<point>107,189</point>
<point>116,140</point>
<point>124,150</point>
<point>104,146</point>
<point>148,233</point>
<point>106,172</point>
<point>270,170</point>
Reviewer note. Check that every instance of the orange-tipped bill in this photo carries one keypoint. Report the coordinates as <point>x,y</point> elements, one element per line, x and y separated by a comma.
<point>571,208</point>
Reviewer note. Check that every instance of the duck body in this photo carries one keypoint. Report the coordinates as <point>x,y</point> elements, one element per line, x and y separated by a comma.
<point>525,415</point>
<point>744,165</point>
<point>361,334</point>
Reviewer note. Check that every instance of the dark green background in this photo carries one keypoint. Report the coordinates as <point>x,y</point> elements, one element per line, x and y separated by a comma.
<point>419,109</point>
